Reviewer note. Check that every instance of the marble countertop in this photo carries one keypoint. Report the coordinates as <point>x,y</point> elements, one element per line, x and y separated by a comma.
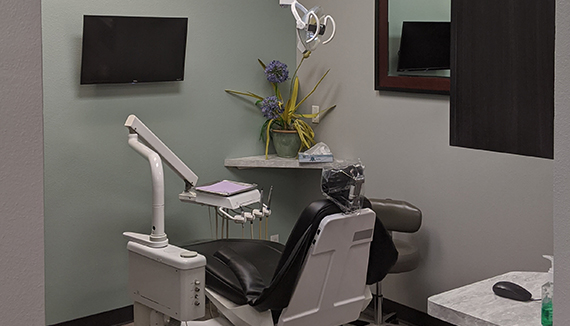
<point>476,304</point>
<point>274,162</point>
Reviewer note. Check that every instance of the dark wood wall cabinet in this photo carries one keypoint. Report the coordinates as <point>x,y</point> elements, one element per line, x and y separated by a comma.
<point>502,76</point>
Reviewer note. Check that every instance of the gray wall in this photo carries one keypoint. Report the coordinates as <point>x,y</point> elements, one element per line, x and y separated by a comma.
<point>97,187</point>
<point>562,166</point>
<point>484,213</point>
<point>21,164</point>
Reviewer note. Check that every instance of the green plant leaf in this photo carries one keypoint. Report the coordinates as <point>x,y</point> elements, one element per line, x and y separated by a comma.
<point>277,92</point>
<point>262,131</point>
<point>314,88</point>
<point>250,94</point>
<point>295,75</point>
<point>306,133</point>
<point>267,140</point>
<point>291,109</point>
<point>286,115</point>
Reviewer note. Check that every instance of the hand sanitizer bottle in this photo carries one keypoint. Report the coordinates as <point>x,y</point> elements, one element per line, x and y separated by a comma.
<point>547,294</point>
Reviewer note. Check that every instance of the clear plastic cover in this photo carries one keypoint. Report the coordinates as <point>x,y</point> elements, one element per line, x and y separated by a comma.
<point>344,185</point>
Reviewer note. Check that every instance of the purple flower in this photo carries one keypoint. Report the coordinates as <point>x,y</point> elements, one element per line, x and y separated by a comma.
<point>276,72</point>
<point>270,107</point>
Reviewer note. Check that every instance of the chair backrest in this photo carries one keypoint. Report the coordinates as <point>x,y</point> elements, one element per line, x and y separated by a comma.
<point>381,256</point>
<point>277,295</point>
<point>331,287</point>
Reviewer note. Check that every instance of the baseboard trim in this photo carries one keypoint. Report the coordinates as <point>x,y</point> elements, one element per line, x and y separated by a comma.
<point>114,317</point>
<point>125,315</point>
<point>411,315</point>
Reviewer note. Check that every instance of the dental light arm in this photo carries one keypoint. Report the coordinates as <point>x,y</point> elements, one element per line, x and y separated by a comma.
<point>154,150</point>
<point>157,236</point>
<point>148,145</point>
<point>176,164</point>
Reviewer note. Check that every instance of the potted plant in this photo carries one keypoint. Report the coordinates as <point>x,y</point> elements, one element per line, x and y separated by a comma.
<point>290,133</point>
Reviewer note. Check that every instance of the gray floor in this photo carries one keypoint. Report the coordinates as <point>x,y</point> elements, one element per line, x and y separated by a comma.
<point>367,315</point>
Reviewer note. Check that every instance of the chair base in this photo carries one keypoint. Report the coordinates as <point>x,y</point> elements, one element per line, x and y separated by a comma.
<point>146,316</point>
<point>239,315</point>
<point>373,316</point>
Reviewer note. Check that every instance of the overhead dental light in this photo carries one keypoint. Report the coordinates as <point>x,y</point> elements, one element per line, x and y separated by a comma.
<point>311,26</point>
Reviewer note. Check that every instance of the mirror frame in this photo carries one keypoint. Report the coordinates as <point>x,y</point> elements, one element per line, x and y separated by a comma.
<point>382,80</point>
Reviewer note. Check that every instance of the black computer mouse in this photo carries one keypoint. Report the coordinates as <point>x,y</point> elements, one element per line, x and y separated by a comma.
<point>512,291</point>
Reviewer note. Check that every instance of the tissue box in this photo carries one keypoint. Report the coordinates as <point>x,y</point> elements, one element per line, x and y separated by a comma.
<point>315,158</point>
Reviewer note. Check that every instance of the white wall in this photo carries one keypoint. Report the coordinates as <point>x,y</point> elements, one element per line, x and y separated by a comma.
<point>562,166</point>
<point>21,165</point>
<point>485,213</point>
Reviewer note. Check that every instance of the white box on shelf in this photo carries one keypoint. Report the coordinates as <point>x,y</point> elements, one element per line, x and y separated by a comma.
<point>307,158</point>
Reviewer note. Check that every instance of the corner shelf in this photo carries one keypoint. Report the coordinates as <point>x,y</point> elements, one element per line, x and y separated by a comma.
<point>273,162</point>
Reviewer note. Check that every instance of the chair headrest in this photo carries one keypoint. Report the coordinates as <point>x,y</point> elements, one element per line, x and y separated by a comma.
<point>344,186</point>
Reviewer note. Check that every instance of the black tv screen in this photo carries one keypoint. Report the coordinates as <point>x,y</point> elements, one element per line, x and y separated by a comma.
<point>119,49</point>
<point>424,46</point>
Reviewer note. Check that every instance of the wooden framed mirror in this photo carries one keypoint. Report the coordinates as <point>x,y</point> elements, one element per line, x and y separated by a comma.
<point>386,76</point>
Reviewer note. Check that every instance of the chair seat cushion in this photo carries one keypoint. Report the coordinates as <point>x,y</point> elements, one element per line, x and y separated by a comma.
<point>408,257</point>
<point>264,255</point>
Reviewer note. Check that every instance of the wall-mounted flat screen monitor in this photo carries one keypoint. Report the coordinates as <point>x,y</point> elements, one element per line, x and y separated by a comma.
<point>424,46</point>
<point>120,49</point>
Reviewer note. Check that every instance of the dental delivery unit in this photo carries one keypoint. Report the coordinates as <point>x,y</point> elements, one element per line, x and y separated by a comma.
<point>165,278</point>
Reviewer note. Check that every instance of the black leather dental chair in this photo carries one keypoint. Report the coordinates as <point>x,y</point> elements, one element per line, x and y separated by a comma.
<point>272,278</point>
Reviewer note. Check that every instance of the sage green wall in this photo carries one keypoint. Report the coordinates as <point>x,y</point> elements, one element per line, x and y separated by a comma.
<point>97,187</point>
<point>484,213</point>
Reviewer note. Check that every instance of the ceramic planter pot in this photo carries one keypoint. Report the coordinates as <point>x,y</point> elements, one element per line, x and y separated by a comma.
<point>286,142</point>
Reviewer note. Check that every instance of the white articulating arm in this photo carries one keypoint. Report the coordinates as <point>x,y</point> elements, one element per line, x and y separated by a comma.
<point>157,236</point>
<point>176,164</point>
<point>146,143</point>
<point>154,150</point>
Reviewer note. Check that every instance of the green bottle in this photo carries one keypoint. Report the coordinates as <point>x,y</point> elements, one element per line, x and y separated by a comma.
<point>547,295</point>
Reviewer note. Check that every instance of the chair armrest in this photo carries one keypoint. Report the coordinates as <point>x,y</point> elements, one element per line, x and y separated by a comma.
<point>247,274</point>
<point>397,215</point>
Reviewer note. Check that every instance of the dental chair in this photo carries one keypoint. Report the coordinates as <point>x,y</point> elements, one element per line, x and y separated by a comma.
<point>337,247</point>
<point>318,278</point>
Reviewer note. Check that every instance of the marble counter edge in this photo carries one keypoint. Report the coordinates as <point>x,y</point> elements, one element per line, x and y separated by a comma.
<point>273,161</point>
<point>454,317</point>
